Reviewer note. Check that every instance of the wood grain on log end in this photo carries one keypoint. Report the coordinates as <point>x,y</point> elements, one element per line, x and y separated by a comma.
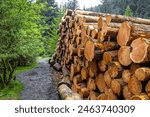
<point>124,55</point>
<point>89,50</point>
<point>140,50</point>
<point>124,34</point>
<point>143,73</point>
<point>135,85</point>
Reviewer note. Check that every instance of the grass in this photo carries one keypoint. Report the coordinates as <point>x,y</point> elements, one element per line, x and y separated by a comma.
<point>21,69</point>
<point>14,89</point>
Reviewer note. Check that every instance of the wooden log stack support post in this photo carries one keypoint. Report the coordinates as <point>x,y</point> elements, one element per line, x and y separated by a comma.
<point>103,56</point>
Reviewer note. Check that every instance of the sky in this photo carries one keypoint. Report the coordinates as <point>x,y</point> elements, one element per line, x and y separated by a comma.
<point>87,3</point>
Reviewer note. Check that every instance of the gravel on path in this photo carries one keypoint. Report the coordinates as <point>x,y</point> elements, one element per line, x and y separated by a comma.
<point>38,83</point>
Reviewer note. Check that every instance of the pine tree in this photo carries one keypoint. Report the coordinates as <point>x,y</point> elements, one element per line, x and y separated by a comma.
<point>128,11</point>
<point>54,36</point>
<point>49,14</point>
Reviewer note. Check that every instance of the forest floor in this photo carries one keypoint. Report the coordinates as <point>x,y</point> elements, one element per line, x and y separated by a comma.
<point>39,83</point>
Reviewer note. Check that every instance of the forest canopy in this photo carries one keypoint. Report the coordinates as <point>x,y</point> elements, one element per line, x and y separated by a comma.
<point>140,8</point>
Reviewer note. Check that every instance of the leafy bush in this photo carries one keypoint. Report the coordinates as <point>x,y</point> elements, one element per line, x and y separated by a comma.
<point>20,35</point>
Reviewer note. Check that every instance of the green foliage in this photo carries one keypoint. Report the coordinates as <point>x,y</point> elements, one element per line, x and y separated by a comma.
<point>15,87</point>
<point>12,91</point>
<point>20,29</point>
<point>54,36</point>
<point>49,13</point>
<point>21,69</point>
<point>128,11</point>
<point>20,35</point>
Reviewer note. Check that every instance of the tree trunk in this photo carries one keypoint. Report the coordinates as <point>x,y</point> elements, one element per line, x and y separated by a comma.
<point>67,94</point>
<point>116,18</point>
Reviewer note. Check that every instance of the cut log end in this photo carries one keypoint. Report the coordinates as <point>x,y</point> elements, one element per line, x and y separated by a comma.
<point>124,55</point>
<point>89,50</point>
<point>135,85</point>
<point>143,74</point>
<point>140,51</point>
<point>142,96</point>
<point>100,83</point>
<point>124,34</point>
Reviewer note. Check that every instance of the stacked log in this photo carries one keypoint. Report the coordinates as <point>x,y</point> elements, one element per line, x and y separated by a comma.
<point>107,55</point>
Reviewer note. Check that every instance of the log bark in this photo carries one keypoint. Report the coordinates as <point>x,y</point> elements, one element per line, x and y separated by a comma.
<point>116,18</point>
<point>110,56</point>
<point>65,71</point>
<point>65,80</point>
<point>72,50</point>
<point>67,94</point>
<point>57,66</point>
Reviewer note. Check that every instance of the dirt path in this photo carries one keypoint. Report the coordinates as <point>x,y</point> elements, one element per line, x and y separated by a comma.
<point>38,83</point>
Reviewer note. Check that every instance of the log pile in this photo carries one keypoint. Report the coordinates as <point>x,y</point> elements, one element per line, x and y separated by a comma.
<point>108,56</point>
